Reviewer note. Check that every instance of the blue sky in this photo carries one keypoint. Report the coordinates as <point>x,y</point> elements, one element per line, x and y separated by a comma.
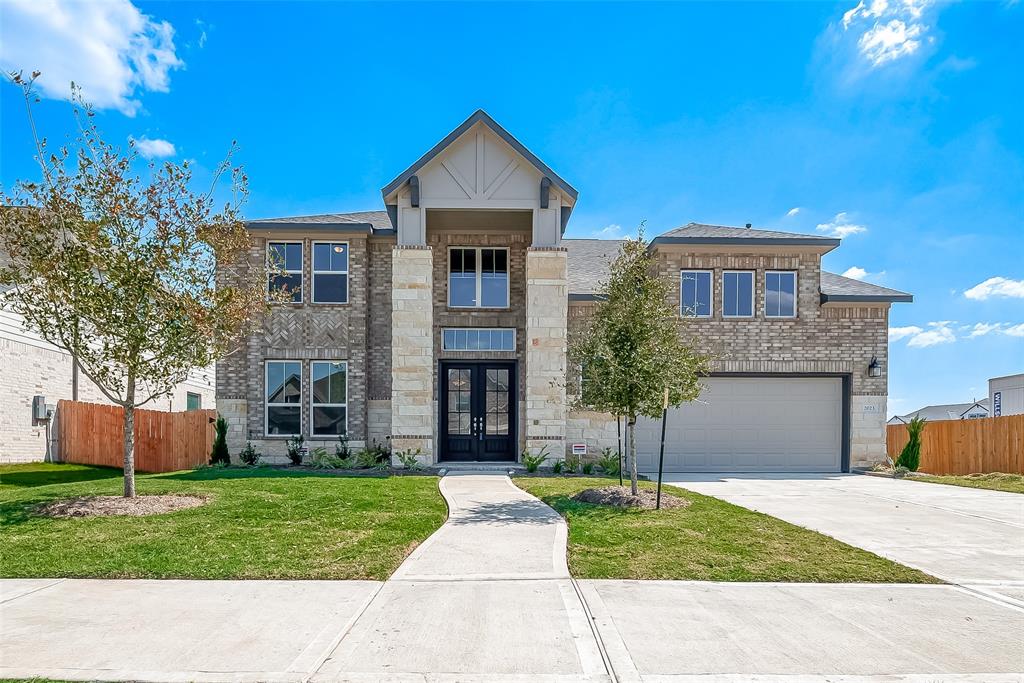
<point>898,125</point>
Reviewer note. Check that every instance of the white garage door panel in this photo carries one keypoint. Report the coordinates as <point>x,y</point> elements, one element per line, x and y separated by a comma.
<point>768,424</point>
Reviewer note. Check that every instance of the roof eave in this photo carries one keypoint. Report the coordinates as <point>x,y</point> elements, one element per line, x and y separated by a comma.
<point>829,242</point>
<point>272,226</point>
<point>867,298</point>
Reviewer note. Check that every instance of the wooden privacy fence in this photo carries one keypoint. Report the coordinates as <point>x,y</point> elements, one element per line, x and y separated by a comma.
<point>990,444</point>
<point>93,434</point>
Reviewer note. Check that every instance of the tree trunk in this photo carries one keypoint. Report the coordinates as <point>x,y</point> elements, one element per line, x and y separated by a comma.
<point>129,440</point>
<point>631,423</point>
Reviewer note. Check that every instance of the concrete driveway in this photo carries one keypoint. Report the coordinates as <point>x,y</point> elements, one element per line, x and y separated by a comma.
<point>970,537</point>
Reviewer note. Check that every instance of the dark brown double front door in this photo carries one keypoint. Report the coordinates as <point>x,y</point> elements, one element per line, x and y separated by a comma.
<point>477,410</point>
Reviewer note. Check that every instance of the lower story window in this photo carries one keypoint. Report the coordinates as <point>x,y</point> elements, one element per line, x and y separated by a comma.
<point>284,397</point>
<point>329,404</point>
<point>478,339</point>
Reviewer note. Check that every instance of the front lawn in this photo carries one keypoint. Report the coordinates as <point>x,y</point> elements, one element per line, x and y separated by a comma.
<point>710,540</point>
<point>994,481</point>
<point>260,523</point>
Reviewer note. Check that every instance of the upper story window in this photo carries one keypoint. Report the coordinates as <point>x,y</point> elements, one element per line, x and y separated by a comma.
<point>193,401</point>
<point>286,257</point>
<point>695,293</point>
<point>283,397</point>
<point>330,273</point>
<point>738,294</point>
<point>478,277</point>
<point>780,294</point>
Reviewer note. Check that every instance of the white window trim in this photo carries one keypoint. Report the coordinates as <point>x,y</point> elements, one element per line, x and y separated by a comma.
<point>299,272</point>
<point>267,403</point>
<point>481,329</point>
<point>753,295</point>
<point>711,303</point>
<point>796,294</point>
<point>479,276</point>
<point>314,272</point>
<point>312,429</point>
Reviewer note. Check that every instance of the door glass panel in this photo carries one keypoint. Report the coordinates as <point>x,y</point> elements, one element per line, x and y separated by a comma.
<point>459,401</point>
<point>496,401</point>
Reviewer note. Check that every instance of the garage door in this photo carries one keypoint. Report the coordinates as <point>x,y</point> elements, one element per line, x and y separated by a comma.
<point>748,424</point>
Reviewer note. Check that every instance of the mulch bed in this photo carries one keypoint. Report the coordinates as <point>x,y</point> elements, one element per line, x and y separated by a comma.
<point>621,496</point>
<point>106,506</point>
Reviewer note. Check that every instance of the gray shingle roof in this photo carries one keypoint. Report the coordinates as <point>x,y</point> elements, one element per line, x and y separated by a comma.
<point>702,233</point>
<point>838,288</point>
<point>949,411</point>
<point>377,219</point>
<point>590,259</point>
<point>588,263</point>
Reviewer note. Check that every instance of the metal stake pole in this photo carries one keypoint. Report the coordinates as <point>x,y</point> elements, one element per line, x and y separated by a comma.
<point>661,455</point>
<point>618,432</point>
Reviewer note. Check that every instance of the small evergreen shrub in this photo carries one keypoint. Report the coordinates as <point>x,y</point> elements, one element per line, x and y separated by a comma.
<point>341,449</point>
<point>410,459</point>
<point>532,461</point>
<point>249,455</point>
<point>294,446</point>
<point>219,454</point>
<point>609,461</point>
<point>910,456</point>
<point>588,468</point>
<point>561,466</point>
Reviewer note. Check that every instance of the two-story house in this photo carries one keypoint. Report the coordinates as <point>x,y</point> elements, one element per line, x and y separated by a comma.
<point>442,323</point>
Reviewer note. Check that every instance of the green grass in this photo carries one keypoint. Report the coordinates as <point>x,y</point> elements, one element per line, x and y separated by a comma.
<point>260,523</point>
<point>710,540</point>
<point>994,481</point>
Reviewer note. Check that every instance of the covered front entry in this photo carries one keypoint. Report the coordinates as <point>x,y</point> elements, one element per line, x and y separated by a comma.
<point>477,410</point>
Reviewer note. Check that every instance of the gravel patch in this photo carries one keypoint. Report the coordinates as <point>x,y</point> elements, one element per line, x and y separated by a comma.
<point>106,506</point>
<point>620,496</point>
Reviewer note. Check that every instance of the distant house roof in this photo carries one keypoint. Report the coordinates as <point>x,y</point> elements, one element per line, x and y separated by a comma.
<point>356,221</point>
<point>590,260</point>
<point>948,411</point>
<point>702,233</point>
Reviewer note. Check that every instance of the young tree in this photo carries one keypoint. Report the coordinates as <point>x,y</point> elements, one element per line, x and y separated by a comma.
<point>632,349</point>
<point>119,269</point>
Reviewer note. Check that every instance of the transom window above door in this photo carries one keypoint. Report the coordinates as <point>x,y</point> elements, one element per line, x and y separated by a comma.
<point>738,294</point>
<point>695,293</point>
<point>780,294</point>
<point>330,273</point>
<point>478,277</point>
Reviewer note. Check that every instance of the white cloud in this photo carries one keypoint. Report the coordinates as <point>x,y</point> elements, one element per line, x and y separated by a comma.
<point>840,227</point>
<point>609,232</point>
<point>996,287</point>
<point>855,272</point>
<point>154,149</point>
<point>897,333</point>
<point>794,211</point>
<point>889,30</point>
<point>110,49</point>
<point>940,333</point>
<point>1015,330</point>
<point>981,329</point>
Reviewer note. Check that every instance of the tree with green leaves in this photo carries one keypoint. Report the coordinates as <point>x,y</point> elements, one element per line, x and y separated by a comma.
<point>632,348</point>
<point>119,267</point>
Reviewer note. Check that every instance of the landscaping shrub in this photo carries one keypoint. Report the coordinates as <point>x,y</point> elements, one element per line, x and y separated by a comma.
<point>249,455</point>
<point>409,459</point>
<point>341,449</point>
<point>294,447</point>
<point>910,456</point>
<point>609,461</point>
<point>219,454</point>
<point>532,461</point>
<point>560,466</point>
<point>588,468</point>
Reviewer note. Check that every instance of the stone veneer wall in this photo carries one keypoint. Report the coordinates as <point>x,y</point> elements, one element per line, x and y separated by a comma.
<point>831,338</point>
<point>547,299</point>
<point>412,350</point>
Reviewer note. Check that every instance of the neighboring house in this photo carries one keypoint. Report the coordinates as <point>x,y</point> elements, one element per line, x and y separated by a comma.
<point>951,411</point>
<point>442,324</point>
<point>1006,395</point>
<point>30,366</point>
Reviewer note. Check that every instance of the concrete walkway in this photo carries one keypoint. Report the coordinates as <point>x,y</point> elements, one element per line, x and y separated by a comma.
<point>488,598</point>
<point>970,537</point>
